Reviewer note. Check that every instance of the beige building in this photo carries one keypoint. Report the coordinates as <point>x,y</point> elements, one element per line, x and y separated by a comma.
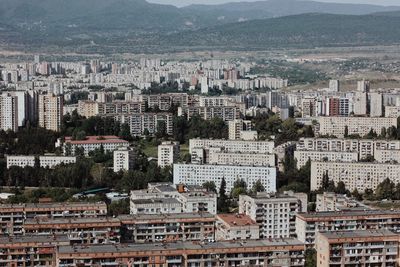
<point>51,112</point>
<point>168,154</point>
<point>275,214</point>
<point>124,159</point>
<point>356,125</point>
<point>309,224</point>
<point>236,227</point>
<point>329,201</point>
<point>302,157</point>
<point>238,126</point>
<point>360,102</point>
<point>357,248</point>
<point>355,175</point>
<point>392,111</point>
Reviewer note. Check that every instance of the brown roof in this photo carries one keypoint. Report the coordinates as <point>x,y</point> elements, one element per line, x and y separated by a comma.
<point>236,219</point>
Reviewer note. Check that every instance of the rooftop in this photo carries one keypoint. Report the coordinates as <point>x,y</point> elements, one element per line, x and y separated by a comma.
<point>52,205</point>
<point>34,239</point>
<point>236,219</point>
<point>359,234</point>
<point>121,248</point>
<point>348,213</point>
<point>45,220</point>
<point>155,200</point>
<point>170,216</point>
<point>96,140</point>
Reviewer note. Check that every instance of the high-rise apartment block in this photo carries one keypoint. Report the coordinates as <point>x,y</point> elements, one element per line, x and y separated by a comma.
<point>124,159</point>
<point>8,112</point>
<point>51,112</point>
<point>168,153</point>
<point>275,214</point>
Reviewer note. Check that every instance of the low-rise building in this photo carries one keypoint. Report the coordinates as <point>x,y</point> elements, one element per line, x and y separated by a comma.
<point>91,143</point>
<point>13,216</point>
<point>31,250</point>
<point>236,227</point>
<point>98,230</point>
<point>166,198</point>
<point>275,214</point>
<point>273,252</point>
<point>358,248</point>
<point>309,224</point>
<point>172,227</point>
<point>47,161</point>
<point>329,201</point>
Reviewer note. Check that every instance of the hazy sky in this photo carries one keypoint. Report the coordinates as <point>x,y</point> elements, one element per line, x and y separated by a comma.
<point>187,2</point>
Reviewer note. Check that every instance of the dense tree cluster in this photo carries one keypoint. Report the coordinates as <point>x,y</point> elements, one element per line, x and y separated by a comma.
<point>197,127</point>
<point>271,126</point>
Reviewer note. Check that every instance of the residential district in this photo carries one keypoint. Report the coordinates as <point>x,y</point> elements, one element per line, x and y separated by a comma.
<point>167,164</point>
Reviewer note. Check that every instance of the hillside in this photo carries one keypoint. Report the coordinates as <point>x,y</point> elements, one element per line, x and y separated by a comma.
<point>234,12</point>
<point>307,30</point>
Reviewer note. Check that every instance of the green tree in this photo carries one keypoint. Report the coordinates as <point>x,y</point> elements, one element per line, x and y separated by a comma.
<point>310,258</point>
<point>385,190</point>
<point>210,186</point>
<point>257,187</point>
<point>223,203</point>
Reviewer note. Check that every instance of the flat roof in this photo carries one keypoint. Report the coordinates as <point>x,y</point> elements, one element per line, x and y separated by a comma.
<point>347,213</point>
<point>166,200</point>
<point>236,219</point>
<point>52,205</point>
<point>96,140</point>
<point>180,245</point>
<point>358,234</point>
<point>33,239</point>
<point>171,216</point>
<point>45,220</point>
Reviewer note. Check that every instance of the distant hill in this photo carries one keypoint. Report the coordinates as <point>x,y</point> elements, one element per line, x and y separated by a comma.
<point>240,11</point>
<point>306,30</point>
<point>136,25</point>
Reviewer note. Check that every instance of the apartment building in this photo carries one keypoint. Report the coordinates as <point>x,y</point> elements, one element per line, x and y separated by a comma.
<point>91,143</point>
<point>31,250</point>
<point>355,175</point>
<point>236,127</point>
<point>86,230</point>
<point>13,216</point>
<point>8,112</point>
<point>309,224</point>
<point>220,157</point>
<point>274,252</point>
<point>51,161</point>
<point>51,112</point>
<point>166,198</point>
<point>150,123</point>
<point>44,161</point>
<point>358,248</point>
<point>146,228</point>
<point>382,150</point>
<point>329,201</point>
<point>302,157</point>
<point>262,147</point>
<point>194,174</point>
<point>124,159</point>
<point>168,153</point>
<point>226,113</point>
<point>236,227</point>
<point>392,111</point>
<point>356,125</point>
<point>155,206</point>
<point>275,214</point>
